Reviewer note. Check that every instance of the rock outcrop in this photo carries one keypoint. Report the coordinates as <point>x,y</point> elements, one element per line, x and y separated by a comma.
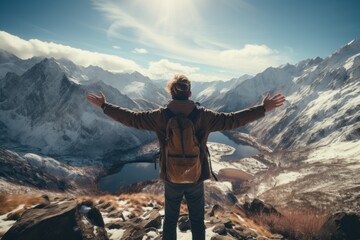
<point>257,207</point>
<point>123,217</point>
<point>341,225</point>
<point>58,222</point>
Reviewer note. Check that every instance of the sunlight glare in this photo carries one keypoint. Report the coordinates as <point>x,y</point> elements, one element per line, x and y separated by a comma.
<point>171,17</point>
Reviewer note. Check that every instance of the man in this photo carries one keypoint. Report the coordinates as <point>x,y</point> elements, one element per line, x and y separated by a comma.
<point>206,122</point>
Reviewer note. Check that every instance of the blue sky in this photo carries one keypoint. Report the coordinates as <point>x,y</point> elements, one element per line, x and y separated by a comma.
<point>205,39</point>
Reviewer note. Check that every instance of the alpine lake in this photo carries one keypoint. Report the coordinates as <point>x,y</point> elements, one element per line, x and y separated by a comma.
<point>131,173</point>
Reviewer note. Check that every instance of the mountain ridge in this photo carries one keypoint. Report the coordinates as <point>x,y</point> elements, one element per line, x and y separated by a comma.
<point>48,104</point>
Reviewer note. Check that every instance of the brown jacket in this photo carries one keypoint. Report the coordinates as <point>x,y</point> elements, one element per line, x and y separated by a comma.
<point>208,121</point>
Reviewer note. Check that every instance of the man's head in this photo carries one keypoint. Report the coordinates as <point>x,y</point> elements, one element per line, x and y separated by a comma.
<point>179,87</point>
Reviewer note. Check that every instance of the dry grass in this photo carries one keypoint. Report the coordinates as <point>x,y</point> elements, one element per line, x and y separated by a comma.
<point>138,199</point>
<point>11,202</point>
<point>303,225</point>
<point>249,223</point>
<point>141,199</point>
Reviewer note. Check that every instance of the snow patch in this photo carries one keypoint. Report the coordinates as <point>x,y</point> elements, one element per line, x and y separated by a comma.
<point>207,92</point>
<point>348,151</point>
<point>134,87</point>
<point>286,177</point>
<point>84,209</point>
<point>224,187</point>
<point>350,61</point>
<point>74,80</point>
<point>5,225</point>
<point>115,234</point>
<point>47,164</point>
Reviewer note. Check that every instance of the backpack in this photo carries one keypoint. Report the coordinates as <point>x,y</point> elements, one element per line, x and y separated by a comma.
<point>182,148</point>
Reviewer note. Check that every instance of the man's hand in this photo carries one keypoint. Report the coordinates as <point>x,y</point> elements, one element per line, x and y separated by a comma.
<point>96,100</point>
<point>270,103</point>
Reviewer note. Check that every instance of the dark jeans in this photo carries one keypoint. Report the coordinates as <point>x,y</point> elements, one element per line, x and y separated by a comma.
<point>194,194</point>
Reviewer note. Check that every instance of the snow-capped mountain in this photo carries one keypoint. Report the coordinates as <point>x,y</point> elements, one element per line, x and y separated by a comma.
<point>323,100</point>
<point>45,109</point>
<point>205,91</point>
<point>134,85</point>
<point>11,63</point>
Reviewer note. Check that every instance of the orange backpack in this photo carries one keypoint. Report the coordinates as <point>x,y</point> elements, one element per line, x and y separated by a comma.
<point>182,148</point>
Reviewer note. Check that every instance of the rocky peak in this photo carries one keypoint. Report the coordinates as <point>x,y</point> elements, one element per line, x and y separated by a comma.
<point>339,58</point>
<point>354,44</point>
<point>6,57</point>
<point>47,67</point>
<point>137,75</point>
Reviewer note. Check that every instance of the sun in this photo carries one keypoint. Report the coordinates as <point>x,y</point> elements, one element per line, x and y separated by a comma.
<point>170,16</point>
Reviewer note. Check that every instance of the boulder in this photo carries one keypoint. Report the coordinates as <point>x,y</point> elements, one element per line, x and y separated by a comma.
<point>259,207</point>
<point>133,232</point>
<point>116,214</point>
<point>184,223</point>
<point>55,222</point>
<point>231,199</point>
<point>242,234</point>
<point>153,219</point>
<point>14,216</point>
<point>116,224</point>
<point>219,237</point>
<point>220,229</point>
<point>52,222</point>
<point>95,217</point>
<point>228,223</point>
<point>236,234</point>
<point>341,225</point>
<point>217,211</point>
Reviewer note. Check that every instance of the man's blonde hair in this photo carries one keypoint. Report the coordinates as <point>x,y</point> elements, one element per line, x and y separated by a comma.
<point>179,87</point>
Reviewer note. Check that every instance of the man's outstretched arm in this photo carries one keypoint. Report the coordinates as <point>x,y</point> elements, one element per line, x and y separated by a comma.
<point>270,103</point>
<point>141,120</point>
<point>229,121</point>
<point>96,100</point>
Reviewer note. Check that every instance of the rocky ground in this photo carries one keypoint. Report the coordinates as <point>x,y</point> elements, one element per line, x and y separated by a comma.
<point>140,216</point>
<point>127,216</point>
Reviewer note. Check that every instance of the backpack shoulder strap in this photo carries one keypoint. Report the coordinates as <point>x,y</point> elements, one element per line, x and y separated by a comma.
<point>193,116</point>
<point>168,113</point>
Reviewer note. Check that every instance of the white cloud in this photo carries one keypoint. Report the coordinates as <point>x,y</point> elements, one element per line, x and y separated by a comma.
<point>250,50</point>
<point>34,47</point>
<point>116,47</point>
<point>140,50</point>
<point>180,39</point>
<point>164,69</point>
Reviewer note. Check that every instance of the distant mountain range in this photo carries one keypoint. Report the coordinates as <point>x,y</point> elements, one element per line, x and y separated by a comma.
<point>42,102</point>
<point>204,91</point>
